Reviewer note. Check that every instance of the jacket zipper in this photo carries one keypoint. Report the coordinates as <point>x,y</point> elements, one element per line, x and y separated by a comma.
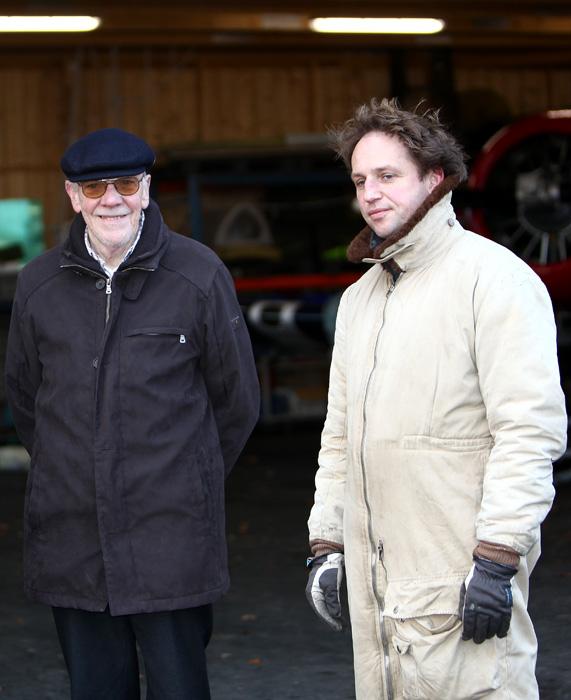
<point>377,556</point>
<point>108,291</point>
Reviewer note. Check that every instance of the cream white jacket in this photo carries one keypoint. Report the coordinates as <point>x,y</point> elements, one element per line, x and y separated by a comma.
<point>445,413</point>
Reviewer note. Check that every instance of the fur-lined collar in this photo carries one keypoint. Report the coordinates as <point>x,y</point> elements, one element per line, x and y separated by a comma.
<point>361,246</point>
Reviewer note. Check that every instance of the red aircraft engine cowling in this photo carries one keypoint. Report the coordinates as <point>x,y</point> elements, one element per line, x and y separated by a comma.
<point>521,188</point>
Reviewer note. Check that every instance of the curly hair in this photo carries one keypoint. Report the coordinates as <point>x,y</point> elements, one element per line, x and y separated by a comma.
<point>428,142</point>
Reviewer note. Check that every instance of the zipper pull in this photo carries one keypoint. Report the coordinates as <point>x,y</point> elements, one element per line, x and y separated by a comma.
<point>381,551</point>
<point>108,304</point>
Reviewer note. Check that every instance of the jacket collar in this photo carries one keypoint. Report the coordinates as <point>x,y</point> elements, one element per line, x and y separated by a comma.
<point>414,244</point>
<point>146,254</point>
<point>132,273</point>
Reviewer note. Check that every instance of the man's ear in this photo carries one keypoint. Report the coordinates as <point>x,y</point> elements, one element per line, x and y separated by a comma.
<point>146,185</point>
<point>73,193</point>
<point>435,177</point>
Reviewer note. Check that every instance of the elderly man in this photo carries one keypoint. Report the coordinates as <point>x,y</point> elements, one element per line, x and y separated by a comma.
<point>445,413</point>
<point>133,386</point>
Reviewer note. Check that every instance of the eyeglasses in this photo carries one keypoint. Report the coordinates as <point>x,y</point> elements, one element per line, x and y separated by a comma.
<point>125,186</point>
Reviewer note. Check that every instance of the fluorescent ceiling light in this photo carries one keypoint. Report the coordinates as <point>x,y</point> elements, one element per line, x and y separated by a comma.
<point>52,23</point>
<point>559,114</point>
<point>377,25</point>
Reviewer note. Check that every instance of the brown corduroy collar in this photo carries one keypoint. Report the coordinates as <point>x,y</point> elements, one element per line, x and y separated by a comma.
<point>360,246</point>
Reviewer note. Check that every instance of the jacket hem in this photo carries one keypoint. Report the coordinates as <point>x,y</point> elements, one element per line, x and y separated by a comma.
<point>195,600</point>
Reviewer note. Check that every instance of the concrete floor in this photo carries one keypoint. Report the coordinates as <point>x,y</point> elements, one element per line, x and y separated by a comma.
<point>267,644</point>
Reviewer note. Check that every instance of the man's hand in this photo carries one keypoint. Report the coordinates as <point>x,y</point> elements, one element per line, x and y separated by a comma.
<point>323,588</point>
<point>486,600</point>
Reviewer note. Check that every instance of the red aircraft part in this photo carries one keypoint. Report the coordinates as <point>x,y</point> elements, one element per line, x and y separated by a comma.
<point>528,164</point>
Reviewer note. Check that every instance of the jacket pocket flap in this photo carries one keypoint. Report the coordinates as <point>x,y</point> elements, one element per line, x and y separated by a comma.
<point>158,330</point>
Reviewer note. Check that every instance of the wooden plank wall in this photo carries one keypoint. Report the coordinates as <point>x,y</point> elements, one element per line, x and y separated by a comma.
<point>524,91</point>
<point>180,96</point>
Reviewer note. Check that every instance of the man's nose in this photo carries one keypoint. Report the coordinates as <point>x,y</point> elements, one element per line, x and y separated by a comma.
<point>110,196</point>
<point>371,191</point>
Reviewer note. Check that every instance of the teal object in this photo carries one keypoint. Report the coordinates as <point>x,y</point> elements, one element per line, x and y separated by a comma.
<point>22,225</point>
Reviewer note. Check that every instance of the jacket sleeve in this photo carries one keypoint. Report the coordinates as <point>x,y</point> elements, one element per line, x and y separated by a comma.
<point>326,517</point>
<point>22,375</point>
<point>516,358</point>
<point>229,369</point>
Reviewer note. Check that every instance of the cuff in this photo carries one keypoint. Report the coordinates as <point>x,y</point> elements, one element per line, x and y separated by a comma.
<point>498,553</point>
<point>319,547</point>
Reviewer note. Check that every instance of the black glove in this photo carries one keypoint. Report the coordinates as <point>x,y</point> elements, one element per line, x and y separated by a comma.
<point>486,600</point>
<point>323,588</point>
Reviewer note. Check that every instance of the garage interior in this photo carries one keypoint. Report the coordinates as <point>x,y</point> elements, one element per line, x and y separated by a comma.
<point>236,98</point>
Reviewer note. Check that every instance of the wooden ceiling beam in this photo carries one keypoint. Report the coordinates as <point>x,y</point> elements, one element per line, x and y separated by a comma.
<point>253,23</point>
<point>291,41</point>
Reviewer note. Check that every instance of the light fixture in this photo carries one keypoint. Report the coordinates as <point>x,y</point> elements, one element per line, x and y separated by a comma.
<point>559,114</point>
<point>48,23</point>
<point>377,25</point>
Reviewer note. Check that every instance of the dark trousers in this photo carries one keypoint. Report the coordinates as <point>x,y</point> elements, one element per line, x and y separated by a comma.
<point>100,652</point>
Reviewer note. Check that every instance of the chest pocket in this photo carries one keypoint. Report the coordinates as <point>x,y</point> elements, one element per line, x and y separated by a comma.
<point>158,349</point>
<point>160,331</point>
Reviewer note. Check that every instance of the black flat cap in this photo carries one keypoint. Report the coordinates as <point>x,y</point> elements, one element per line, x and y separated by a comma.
<point>106,153</point>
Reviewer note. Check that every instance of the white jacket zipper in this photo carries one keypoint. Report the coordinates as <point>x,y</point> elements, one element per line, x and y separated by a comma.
<point>377,556</point>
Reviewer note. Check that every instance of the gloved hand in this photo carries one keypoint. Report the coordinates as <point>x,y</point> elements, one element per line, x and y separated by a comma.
<point>486,600</point>
<point>323,588</point>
